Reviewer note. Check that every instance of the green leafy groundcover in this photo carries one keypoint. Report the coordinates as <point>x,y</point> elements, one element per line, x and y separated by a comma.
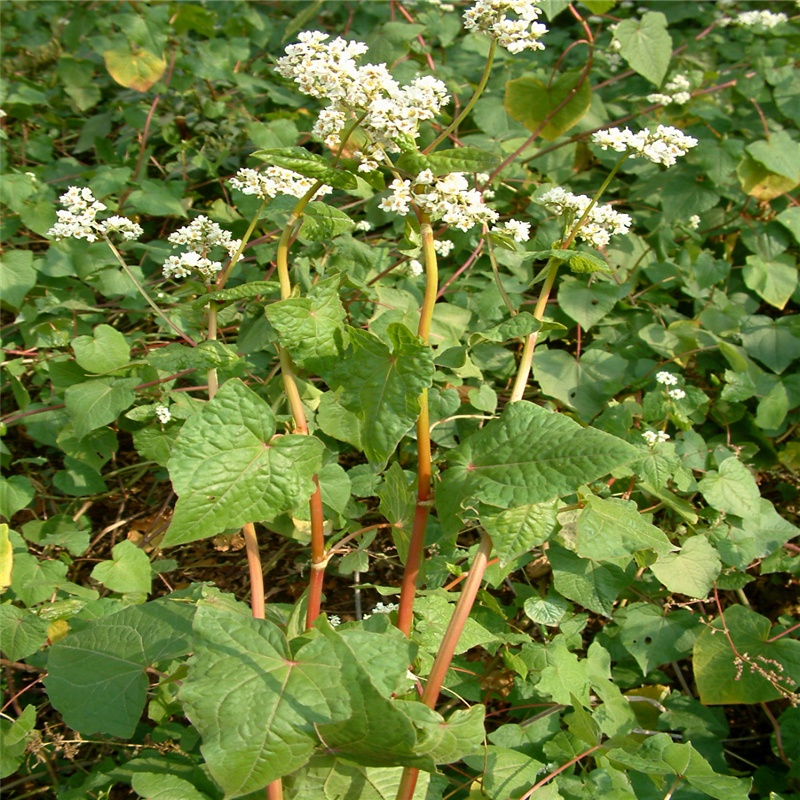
<point>573,445</point>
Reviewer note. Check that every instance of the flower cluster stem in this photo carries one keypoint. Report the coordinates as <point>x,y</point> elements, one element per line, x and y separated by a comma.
<point>416,546</point>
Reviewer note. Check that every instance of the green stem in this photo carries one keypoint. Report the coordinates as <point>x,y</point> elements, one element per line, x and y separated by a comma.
<point>416,547</point>
<point>147,297</point>
<point>487,71</point>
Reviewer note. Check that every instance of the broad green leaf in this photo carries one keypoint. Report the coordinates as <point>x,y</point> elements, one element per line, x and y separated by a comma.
<point>517,327</point>
<point>654,637</point>
<point>105,350</point>
<point>771,341</point>
<point>163,786</point>
<point>235,293</point>
<point>17,277</point>
<point>382,384</point>
<point>790,218</point>
<point>175,357</point>
<point>659,755</point>
<point>529,455</point>
<point>311,328</point>
<point>35,580</point>
<point>518,530</point>
<point>14,740</point>
<point>22,633</point>
<point>398,504</point>
<point>156,199</point>
<point>15,494</point>
<point>504,773</point>
<point>565,676</point>
<point>646,45</point>
<point>759,182</point>
<point>769,669</point>
<point>586,262</point>
<point>547,610</point>
<point>613,528</point>
<point>128,571</point>
<point>533,102</point>
<point>587,305</point>
<point>311,165</point>
<point>780,154</point>
<point>336,421</point>
<point>96,676</point>
<point>137,70</point>
<point>692,571</point>
<point>228,467</point>
<point>773,281</point>
<point>256,704</point>
<point>591,585</point>
<point>755,536</point>
<point>732,488</point>
<point>96,403</point>
<point>582,724</point>
<point>322,222</point>
<point>443,162</point>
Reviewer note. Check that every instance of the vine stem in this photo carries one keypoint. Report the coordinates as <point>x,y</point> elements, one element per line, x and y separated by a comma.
<point>143,293</point>
<point>416,546</point>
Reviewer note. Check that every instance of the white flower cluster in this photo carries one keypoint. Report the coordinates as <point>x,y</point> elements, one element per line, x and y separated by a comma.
<point>663,146</point>
<point>519,231</point>
<point>164,414</point>
<point>655,437</point>
<point>755,19</point>
<point>334,620</point>
<point>199,237</point>
<point>675,91</point>
<point>79,219</point>
<point>274,181</point>
<point>382,608</point>
<point>448,199</point>
<point>601,224</point>
<point>694,222</point>
<point>415,268</point>
<point>515,34</point>
<point>390,113</point>
<point>668,379</point>
<point>443,247</point>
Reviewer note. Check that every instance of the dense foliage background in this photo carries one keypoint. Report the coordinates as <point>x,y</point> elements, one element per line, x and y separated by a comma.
<point>636,634</point>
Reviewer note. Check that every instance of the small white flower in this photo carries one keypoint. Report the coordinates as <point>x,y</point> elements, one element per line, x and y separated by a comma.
<point>758,19</point>
<point>443,247</point>
<point>415,267</point>
<point>164,415</point>
<point>676,394</point>
<point>79,219</point>
<point>274,181</point>
<point>601,224</point>
<point>694,222</point>
<point>385,608</point>
<point>199,237</point>
<point>666,379</point>
<point>663,146</point>
<point>334,620</point>
<point>655,437</point>
<point>515,34</point>
<point>363,225</point>
<point>519,231</point>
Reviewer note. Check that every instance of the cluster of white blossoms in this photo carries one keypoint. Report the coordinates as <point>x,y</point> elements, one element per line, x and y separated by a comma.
<point>676,91</point>
<point>164,414</point>
<point>382,608</point>
<point>443,247</point>
<point>655,437</point>
<point>601,224</point>
<point>662,146</point>
<point>516,34</point>
<point>519,231</point>
<point>755,19</point>
<point>78,220</point>
<point>668,379</point>
<point>199,237</point>
<point>389,113</point>
<point>694,222</point>
<point>274,181</point>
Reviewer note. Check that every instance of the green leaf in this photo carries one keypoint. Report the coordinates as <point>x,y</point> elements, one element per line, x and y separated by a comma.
<point>587,305</point>
<point>155,199</point>
<point>518,530</point>
<point>732,489</point>
<point>586,262</point>
<point>692,571</point>
<point>529,455</point>
<point>547,610</point>
<point>398,504</point>
<point>646,45</point>
<point>21,632</point>
<point>780,154</point>
<point>34,580</point>
<point>759,182</point>
<point>228,467</point>
<point>613,528</point>
<point>137,70</point>
<point>533,102</point>
<point>770,669</point>
<point>104,351</point>
<point>14,740</point>
<point>322,222</point>
<point>381,383</point>
<point>771,341</point>
<point>15,494</point>
<point>790,218</point>
<point>242,292</point>
<point>654,637</point>
<point>593,586</point>
<point>311,165</point>
<point>311,328</point>
<point>163,786</point>
<point>255,703</point>
<point>504,772</point>
<point>17,277</point>
<point>96,403</point>
<point>128,571</point>
<point>443,162</point>
<point>659,755</point>
<point>96,676</point>
<point>517,327</point>
<point>773,281</point>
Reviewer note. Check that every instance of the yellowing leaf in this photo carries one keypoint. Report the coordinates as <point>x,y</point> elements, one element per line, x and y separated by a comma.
<point>138,70</point>
<point>6,558</point>
<point>757,181</point>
